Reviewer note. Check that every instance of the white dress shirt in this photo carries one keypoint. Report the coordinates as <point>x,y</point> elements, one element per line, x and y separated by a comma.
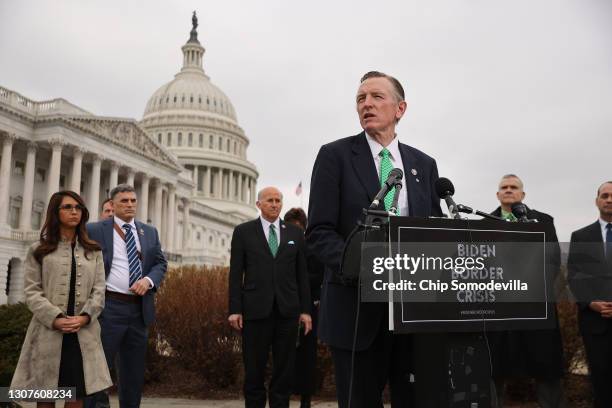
<point>396,160</point>
<point>266,227</point>
<point>604,231</point>
<point>118,279</point>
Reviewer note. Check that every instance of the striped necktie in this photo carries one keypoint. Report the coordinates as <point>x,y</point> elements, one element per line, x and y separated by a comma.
<point>132,253</point>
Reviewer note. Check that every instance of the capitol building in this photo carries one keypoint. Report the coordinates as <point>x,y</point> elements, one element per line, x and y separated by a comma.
<point>187,159</point>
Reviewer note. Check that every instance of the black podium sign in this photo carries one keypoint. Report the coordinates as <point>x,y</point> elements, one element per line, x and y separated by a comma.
<point>510,289</point>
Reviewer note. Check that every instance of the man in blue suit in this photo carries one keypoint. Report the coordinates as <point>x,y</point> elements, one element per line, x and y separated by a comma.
<point>134,265</point>
<point>346,176</point>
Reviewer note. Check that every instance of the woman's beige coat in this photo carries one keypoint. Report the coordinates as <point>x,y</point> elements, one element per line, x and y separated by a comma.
<point>46,293</point>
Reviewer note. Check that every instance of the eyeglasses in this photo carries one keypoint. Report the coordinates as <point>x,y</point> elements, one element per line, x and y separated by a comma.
<point>70,207</point>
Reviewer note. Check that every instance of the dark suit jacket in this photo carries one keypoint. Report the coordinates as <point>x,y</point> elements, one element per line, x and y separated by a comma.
<point>344,181</point>
<point>537,353</point>
<point>154,262</point>
<point>257,279</point>
<point>554,258</point>
<point>590,276</point>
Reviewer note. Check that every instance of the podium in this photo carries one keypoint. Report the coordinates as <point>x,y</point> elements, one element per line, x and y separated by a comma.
<point>511,288</point>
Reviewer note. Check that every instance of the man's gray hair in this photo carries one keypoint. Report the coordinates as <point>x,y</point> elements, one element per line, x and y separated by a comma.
<point>261,191</point>
<point>510,175</point>
<point>121,188</point>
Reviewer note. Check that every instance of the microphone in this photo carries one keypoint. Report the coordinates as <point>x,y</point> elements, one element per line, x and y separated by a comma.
<point>395,203</point>
<point>445,190</point>
<point>395,176</point>
<point>519,210</point>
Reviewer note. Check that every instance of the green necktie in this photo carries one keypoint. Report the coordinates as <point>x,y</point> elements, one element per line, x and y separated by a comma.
<point>385,168</point>
<point>509,216</point>
<point>273,240</point>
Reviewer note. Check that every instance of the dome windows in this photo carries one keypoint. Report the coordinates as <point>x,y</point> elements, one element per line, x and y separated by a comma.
<point>190,140</point>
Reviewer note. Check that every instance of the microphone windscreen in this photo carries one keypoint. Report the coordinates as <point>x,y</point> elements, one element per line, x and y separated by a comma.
<point>396,173</point>
<point>519,210</point>
<point>444,187</point>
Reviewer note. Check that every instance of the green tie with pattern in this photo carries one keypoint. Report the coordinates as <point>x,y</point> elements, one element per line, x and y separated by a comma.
<point>385,168</point>
<point>508,216</point>
<point>273,240</point>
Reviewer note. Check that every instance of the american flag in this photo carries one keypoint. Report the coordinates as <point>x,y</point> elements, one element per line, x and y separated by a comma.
<point>298,189</point>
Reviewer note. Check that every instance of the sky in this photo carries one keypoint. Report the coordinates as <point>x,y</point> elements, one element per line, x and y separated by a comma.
<point>493,87</point>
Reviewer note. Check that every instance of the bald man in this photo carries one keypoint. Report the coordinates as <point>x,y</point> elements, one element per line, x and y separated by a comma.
<point>269,298</point>
<point>589,268</point>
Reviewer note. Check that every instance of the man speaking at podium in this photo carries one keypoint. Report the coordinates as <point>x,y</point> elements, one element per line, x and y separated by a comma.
<point>346,176</point>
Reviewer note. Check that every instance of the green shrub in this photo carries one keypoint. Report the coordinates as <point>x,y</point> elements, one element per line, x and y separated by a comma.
<point>14,321</point>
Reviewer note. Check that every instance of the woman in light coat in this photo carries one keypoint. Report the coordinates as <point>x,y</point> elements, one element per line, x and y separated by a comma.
<point>64,289</point>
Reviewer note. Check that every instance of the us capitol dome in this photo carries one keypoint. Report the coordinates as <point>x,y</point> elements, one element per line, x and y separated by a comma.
<point>194,120</point>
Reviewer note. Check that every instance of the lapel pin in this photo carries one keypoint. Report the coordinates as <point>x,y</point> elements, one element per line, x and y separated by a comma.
<point>417,180</point>
<point>141,232</point>
<point>414,172</point>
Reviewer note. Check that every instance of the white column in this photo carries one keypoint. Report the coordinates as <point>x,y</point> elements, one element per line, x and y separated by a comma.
<point>157,219</point>
<point>4,264</point>
<point>94,189</point>
<point>143,209</point>
<point>231,196</point>
<point>196,178</point>
<point>16,293</point>
<point>77,166</point>
<point>253,191</point>
<point>163,232</point>
<point>218,179</point>
<point>54,167</point>
<point>171,217</point>
<point>240,188</point>
<point>186,225</point>
<point>114,175</point>
<point>5,177</point>
<point>130,177</point>
<point>25,220</point>
<point>207,179</point>
<point>223,184</point>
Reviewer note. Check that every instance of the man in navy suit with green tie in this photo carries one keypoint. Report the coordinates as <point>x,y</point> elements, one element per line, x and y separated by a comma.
<point>346,176</point>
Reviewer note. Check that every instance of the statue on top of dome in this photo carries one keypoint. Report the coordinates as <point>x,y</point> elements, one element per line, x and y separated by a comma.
<point>193,35</point>
<point>194,20</point>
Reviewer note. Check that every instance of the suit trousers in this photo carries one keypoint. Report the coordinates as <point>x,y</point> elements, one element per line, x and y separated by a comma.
<point>258,337</point>
<point>598,347</point>
<point>387,359</point>
<point>124,333</point>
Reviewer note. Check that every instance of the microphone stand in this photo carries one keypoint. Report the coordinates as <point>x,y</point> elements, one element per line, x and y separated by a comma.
<point>468,210</point>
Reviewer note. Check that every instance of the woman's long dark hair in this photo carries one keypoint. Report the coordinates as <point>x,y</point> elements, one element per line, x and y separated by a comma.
<point>50,232</point>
